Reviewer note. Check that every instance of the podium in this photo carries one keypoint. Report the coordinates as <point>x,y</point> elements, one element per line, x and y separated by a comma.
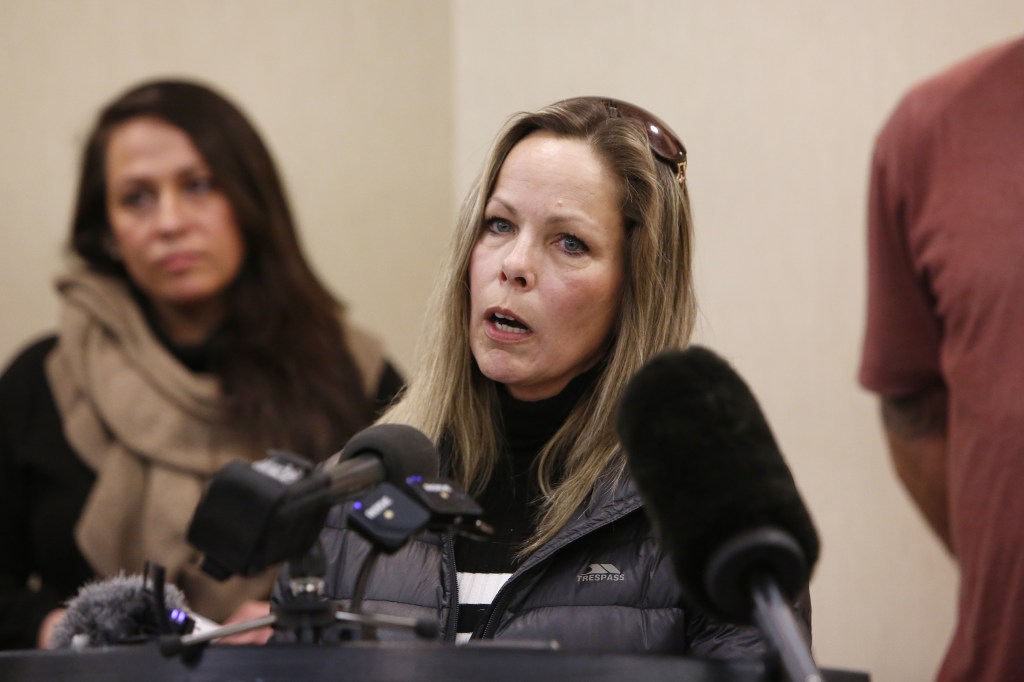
<point>374,662</point>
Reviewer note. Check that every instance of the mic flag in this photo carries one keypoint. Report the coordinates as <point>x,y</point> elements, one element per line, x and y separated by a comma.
<point>387,517</point>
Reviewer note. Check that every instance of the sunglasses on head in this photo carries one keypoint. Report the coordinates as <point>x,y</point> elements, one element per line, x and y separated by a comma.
<point>664,142</point>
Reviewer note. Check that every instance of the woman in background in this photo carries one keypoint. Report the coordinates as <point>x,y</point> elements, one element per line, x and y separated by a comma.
<point>192,333</point>
<point>570,268</point>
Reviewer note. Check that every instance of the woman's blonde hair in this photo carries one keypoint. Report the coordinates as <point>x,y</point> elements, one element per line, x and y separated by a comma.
<point>449,398</point>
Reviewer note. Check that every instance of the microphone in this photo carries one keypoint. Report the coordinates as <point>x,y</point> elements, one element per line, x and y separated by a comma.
<point>383,453</point>
<point>720,496</point>
<point>253,516</point>
<point>120,610</point>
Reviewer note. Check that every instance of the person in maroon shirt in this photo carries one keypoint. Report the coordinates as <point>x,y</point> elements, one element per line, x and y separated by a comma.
<point>944,344</point>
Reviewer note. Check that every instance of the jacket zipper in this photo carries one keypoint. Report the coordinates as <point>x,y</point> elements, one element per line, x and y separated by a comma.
<point>453,613</point>
<point>498,606</point>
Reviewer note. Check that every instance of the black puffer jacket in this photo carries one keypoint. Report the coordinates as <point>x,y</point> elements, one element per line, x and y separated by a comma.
<point>602,583</point>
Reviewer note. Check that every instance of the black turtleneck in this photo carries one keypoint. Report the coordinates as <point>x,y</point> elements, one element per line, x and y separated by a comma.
<point>509,500</point>
<point>198,357</point>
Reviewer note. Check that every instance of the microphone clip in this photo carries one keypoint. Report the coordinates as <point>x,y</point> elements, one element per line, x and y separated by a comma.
<point>162,621</point>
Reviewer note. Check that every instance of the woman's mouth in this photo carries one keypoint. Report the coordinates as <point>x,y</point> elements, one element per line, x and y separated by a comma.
<point>509,324</point>
<point>179,262</point>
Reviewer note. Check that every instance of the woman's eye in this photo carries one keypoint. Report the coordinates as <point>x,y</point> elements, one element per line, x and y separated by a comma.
<point>198,185</point>
<point>573,244</point>
<point>498,225</point>
<point>136,198</point>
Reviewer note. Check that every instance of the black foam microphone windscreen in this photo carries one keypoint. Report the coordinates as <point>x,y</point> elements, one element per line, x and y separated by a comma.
<point>403,451</point>
<point>709,471</point>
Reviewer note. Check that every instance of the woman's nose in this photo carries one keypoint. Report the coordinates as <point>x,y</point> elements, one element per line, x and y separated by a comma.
<point>171,210</point>
<point>517,267</point>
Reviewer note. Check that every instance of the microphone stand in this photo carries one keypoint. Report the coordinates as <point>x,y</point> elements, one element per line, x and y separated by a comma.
<point>774,617</point>
<point>369,632</point>
<point>748,578</point>
<point>307,615</point>
<point>387,517</point>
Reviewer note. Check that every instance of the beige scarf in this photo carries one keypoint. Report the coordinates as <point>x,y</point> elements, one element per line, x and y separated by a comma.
<point>154,434</point>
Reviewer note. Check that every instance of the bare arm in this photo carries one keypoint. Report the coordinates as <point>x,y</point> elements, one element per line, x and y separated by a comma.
<point>915,426</point>
<point>249,610</point>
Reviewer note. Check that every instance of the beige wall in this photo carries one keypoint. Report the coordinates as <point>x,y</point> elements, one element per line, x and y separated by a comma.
<point>380,112</point>
<point>353,98</point>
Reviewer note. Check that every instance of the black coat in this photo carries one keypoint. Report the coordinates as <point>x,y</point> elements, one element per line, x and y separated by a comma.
<point>603,583</point>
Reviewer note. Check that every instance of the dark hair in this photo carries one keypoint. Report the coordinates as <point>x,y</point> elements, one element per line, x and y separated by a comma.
<point>286,373</point>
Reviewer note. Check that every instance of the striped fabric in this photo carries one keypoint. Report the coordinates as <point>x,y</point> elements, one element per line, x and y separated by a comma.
<point>476,592</point>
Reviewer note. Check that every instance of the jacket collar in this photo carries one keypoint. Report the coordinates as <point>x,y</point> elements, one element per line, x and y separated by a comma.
<point>608,503</point>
